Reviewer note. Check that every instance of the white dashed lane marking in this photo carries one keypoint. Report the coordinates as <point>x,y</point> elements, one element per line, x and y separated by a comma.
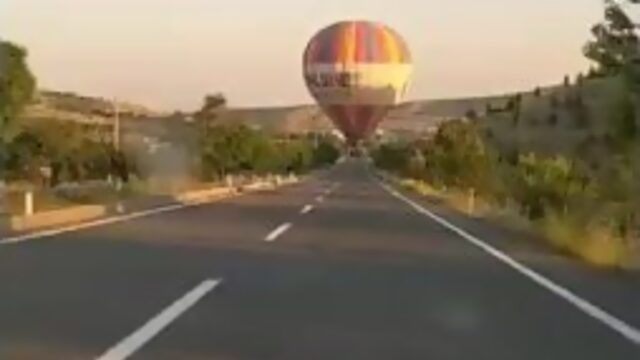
<point>277,232</point>
<point>128,346</point>
<point>306,209</point>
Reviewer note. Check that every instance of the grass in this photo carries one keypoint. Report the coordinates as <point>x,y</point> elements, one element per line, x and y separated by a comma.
<point>462,201</point>
<point>596,245</point>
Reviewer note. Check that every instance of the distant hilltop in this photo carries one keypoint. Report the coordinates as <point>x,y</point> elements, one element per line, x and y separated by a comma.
<point>413,118</point>
<point>67,106</point>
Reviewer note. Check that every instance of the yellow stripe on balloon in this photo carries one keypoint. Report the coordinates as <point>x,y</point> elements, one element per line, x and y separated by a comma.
<point>349,43</point>
<point>391,45</point>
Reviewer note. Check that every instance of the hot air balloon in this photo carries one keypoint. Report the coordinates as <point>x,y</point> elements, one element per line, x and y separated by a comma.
<point>357,71</point>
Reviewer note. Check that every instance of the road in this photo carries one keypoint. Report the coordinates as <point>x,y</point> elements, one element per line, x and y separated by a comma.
<point>336,267</point>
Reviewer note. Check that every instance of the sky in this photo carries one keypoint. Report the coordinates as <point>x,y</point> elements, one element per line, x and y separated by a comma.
<point>167,54</point>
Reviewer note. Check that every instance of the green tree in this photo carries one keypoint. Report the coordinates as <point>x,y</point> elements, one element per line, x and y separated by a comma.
<point>517,109</point>
<point>623,123</point>
<point>471,114</point>
<point>17,84</point>
<point>210,110</point>
<point>537,91</point>
<point>615,42</point>
<point>458,157</point>
<point>325,153</point>
<point>541,184</point>
<point>392,157</point>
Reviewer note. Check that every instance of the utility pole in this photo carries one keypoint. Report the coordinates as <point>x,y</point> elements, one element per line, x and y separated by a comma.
<point>117,140</point>
<point>116,125</point>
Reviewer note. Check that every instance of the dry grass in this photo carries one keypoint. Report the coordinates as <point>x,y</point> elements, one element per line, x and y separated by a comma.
<point>465,202</point>
<point>594,244</point>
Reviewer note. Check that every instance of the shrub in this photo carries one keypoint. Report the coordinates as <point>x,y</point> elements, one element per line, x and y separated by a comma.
<point>392,157</point>
<point>537,92</point>
<point>542,184</point>
<point>231,149</point>
<point>471,114</point>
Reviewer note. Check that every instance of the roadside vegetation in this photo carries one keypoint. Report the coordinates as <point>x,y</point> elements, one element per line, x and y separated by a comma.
<point>64,161</point>
<point>563,160</point>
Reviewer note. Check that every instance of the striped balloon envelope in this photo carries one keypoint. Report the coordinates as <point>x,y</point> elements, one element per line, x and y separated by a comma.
<point>357,71</point>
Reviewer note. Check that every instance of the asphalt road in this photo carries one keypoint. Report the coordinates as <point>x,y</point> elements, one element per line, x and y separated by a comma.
<point>337,267</point>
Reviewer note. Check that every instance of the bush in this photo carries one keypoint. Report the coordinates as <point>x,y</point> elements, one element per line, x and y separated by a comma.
<point>471,114</point>
<point>68,151</point>
<point>577,212</point>
<point>542,184</point>
<point>537,92</point>
<point>234,149</point>
<point>392,157</point>
<point>326,153</point>
<point>623,123</point>
<point>456,157</point>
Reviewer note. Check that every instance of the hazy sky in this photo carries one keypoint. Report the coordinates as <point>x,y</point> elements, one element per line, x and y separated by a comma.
<point>168,53</point>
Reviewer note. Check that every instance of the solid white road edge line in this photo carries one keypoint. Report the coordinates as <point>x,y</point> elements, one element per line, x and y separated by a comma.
<point>128,346</point>
<point>94,223</point>
<point>306,209</point>
<point>277,232</point>
<point>624,329</point>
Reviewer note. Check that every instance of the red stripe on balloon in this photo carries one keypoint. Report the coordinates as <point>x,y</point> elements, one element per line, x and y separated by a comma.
<point>361,41</point>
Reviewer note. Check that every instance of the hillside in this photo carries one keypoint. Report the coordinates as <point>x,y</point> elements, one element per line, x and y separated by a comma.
<point>571,119</point>
<point>409,119</point>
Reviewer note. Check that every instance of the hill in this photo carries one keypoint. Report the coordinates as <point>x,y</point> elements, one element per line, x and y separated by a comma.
<point>410,119</point>
<point>574,119</point>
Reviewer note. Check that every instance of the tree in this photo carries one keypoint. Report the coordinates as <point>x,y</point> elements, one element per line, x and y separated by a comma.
<point>623,125</point>
<point>458,157</point>
<point>326,153</point>
<point>211,106</point>
<point>471,114</point>
<point>615,42</point>
<point>517,109</point>
<point>541,184</point>
<point>392,157</point>
<point>579,111</point>
<point>17,85</point>
<point>537,91</point>
<point>580,80</point>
